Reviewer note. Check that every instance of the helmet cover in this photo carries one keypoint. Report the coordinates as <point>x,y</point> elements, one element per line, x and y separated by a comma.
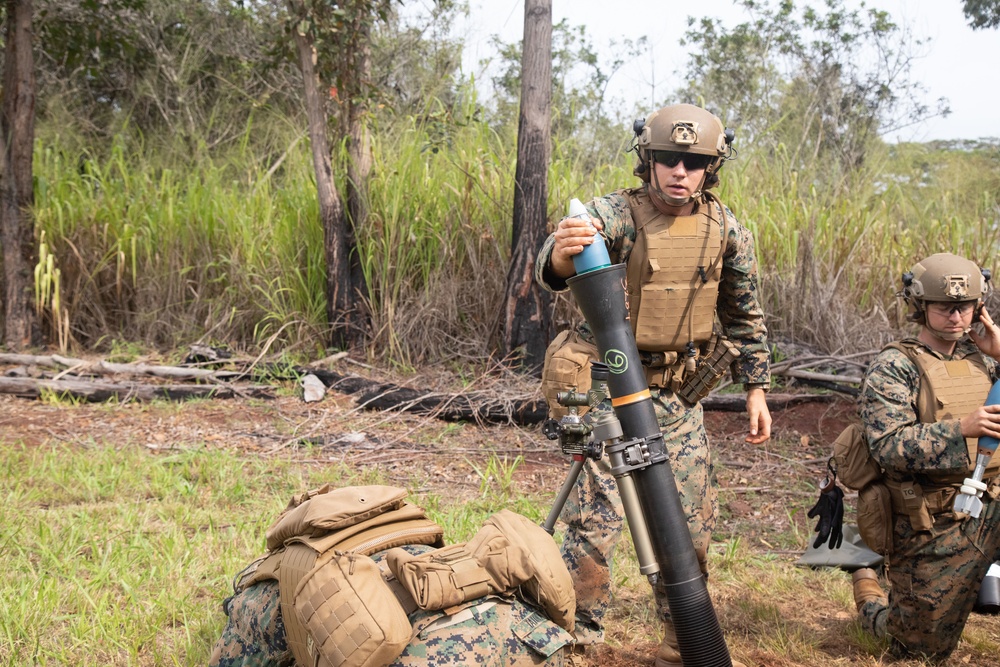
<point>946,278</point>
<point>682,128</point>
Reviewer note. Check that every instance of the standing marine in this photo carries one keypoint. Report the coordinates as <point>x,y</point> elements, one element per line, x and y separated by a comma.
<point>692,289</point>
<point>922,413</point>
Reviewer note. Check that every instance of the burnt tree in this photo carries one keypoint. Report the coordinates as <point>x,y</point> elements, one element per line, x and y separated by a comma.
<point>342,303</point>
<point>527,317</point>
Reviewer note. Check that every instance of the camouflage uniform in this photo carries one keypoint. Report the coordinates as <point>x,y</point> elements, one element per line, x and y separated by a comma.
<point>495,631</point>
<point>934,576</point>
<point>593,512</point>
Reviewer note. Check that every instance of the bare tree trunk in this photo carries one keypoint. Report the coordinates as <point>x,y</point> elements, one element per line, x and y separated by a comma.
<point>17,135</point>
<point>528,308</point>
<point>360,160</point>
<point>340,302</point>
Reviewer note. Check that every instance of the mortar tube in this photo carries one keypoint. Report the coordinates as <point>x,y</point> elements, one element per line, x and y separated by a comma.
<point>600,294</point>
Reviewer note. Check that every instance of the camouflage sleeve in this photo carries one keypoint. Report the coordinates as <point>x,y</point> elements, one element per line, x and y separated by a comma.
<point>739,308</point>
<point>619,235</point>
<point>896,437</point>
<point>254,635</point>
<point>543,276</point>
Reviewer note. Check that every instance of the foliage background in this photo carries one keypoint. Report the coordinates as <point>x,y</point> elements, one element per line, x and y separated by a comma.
<point>175,201</point>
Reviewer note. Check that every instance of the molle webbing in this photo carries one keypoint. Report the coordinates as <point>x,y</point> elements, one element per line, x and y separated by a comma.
<point>338,607</point>
<point>673,273</point>
<point>949,389</point>
<point>350,618</point>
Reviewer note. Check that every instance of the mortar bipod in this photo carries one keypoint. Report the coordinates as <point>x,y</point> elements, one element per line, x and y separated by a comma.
<point>590,436</point>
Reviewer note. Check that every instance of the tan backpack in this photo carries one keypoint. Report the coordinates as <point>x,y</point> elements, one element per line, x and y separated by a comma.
<point>566,368</point>
<point>337,606</point>
<point>859,471</point>
<point>508,553</point>
<point>340,609</point>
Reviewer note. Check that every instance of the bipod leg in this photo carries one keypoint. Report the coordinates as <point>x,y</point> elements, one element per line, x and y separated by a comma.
<point>560,501</point>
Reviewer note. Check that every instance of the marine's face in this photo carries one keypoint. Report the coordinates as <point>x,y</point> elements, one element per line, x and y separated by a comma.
<point>950,321</point>
<point>680,181</point>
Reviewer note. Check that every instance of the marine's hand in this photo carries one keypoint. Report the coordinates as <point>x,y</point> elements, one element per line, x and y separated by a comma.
<point>830,511</point>
<point>571,236</point>
<point>760,416</point>
<point>984,420</point>
<point>989,341</point>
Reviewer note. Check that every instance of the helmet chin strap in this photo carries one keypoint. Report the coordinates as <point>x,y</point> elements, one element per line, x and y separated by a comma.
<point>949,336</point>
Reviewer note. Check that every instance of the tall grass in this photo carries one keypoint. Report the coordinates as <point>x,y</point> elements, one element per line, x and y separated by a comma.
<point>436,245</point>
<point>831,256</point>
<point>167,252</point>
<point>227,245</point>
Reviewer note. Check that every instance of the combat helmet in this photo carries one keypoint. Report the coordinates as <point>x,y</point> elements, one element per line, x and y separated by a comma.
<point>945,278</point>
<point>683,128</point>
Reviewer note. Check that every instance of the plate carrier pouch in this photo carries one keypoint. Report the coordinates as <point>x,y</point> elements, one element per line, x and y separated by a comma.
<point>508,553</point>
<point>710,370</point>
<point>672,281</point>
<point>338,607</point>
<point>949,389</point>
<point>566,368</point>
<point>858,470</point>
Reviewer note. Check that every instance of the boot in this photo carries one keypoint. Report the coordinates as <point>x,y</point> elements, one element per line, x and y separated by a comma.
<point>668,654</point>
<point>577,655</point>
<point>866,588</point>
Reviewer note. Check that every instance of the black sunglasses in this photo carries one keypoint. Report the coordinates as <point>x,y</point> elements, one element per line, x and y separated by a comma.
<point>691,161</point>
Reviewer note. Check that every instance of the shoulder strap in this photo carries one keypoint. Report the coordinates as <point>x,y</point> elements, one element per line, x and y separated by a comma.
<point>711,196</point>
<point>637,199</point>
<point>922,359</point>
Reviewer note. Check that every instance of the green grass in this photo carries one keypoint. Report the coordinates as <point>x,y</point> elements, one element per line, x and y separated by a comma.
<point>120,556</point>
<point>116,556</point>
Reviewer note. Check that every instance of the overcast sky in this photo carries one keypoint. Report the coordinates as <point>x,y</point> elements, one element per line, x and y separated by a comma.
<point>959,64</point>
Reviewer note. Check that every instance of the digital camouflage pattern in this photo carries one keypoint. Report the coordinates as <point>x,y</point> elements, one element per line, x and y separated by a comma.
<point>496,632</point>
<point>898,440</point>
<point>934,580</point>
<point>255,634</point>
<point>934,576</point>
<point>593,512</point>
<point>738,307</point>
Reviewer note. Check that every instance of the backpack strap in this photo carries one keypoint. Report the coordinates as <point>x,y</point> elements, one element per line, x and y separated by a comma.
<point>319,555</point>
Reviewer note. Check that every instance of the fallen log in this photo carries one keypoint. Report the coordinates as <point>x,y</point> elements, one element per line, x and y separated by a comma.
<point>738,402</point>
<point>101,367</point>
<point>485,407</point>
<point>95,392</point>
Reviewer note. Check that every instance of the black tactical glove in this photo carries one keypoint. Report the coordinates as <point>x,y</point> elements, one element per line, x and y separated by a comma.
<point>830,510</point>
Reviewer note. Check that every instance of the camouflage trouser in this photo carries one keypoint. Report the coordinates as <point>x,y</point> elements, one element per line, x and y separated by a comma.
<point>594,515</point>
<point>496,633</point>
<point>254,636</point>
<point>934,580</point>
